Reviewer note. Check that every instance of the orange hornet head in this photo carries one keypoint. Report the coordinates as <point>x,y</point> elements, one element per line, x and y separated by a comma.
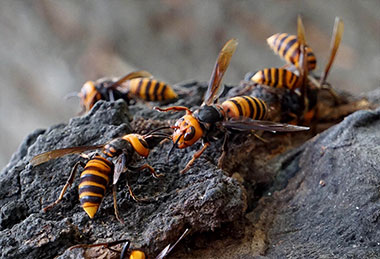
<point>187,131</point>
<point>89,95</point>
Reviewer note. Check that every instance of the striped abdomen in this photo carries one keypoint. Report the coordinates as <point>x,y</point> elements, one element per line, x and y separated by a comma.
<point>93,183</point>
<point>245,106</point>
<point>277,77</point>
<point>151,89</point>
<point>287,47</point>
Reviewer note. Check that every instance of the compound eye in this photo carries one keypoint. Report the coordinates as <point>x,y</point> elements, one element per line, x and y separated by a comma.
<point>189,134</point>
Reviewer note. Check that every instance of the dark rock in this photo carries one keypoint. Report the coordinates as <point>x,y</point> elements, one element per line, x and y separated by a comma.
<point>331,206</point>
<point>203,199</point>
<point>320,199</point>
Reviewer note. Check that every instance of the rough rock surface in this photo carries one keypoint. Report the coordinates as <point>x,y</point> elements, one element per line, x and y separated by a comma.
<point>318,200</point>
<point>323,203</point>
<point>331,208</point>
<point>202,199</point>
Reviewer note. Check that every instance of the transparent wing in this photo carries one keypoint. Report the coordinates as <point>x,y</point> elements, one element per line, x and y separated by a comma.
<point>214,87</point>
<point>119,168</point>
<point>132,75</point>
<point>303,69</point>
<point>124,251</point>
<point>169,248</point>
<point>163,253</point>
<point>44,157</point>
<point>335,42</point>
<point>245,124</point>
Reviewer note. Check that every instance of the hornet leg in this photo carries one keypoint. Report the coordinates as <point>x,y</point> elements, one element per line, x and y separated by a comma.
<point>146,165</point>
<point>130,188</point>
<point>261,138</point>
<point>115,205</point>
<point>151,170</point>
<point>224,151</point>
<point>132,194</point>
<point>68,183</point>
<point>195,156</point>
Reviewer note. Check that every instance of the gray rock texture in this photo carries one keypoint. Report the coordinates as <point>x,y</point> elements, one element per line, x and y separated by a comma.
<point>323,201</point>
<point>289,197</point>
<point>331,208</point>
<point>203,199</point>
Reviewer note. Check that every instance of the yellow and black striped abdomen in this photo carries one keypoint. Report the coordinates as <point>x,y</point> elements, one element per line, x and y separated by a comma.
<point>93,183</point>
<point>287,47</point>
<point>245,106</point>
<point>277,77</point>
<point>151,90</point>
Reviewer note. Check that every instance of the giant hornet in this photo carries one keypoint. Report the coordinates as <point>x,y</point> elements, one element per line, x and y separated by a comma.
<point>243,113</point>
<point>133,253</point>
<point>138,84</point>
<point>288,48</point>
<point>295,51</point>
<point>99,167</point>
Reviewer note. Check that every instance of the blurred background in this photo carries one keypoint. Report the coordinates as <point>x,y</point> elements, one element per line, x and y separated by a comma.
<point>50,48</point>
